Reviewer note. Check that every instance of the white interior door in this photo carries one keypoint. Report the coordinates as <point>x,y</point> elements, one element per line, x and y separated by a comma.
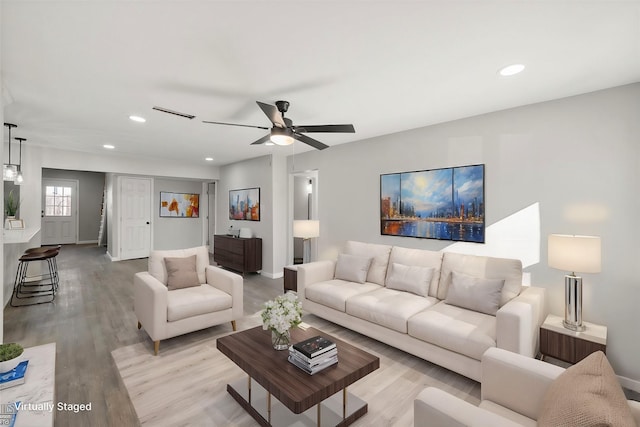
<point>135,217</point>
<point>59,211</point>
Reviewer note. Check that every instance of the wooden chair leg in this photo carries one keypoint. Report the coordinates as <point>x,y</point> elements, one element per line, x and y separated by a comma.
<point>156,347</point>
<point>233,325</point>
<point>139,325</point>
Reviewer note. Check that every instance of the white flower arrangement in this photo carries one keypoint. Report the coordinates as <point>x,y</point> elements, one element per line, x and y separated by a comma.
<point>282,313</point>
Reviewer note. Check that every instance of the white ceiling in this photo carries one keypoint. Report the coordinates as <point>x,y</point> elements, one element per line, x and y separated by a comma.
<point>74,71</point>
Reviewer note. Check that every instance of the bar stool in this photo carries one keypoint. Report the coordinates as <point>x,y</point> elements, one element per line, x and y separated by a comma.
<point>43,249</point>
<point>41,288</point>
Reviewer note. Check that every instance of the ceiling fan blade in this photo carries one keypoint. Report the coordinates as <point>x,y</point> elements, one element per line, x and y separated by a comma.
<point>310,141</point>
<point>235,124</point>
<point>262,140</point>
<point>175,113</point>
<point>272,113</point>
<point>325,128</point>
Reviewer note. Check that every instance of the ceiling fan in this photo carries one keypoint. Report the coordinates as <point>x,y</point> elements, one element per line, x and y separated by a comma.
<point>283,131</point>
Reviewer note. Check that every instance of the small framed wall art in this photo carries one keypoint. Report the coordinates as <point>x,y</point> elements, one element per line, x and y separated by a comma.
<point>179,205</point>
<point>245,204</point>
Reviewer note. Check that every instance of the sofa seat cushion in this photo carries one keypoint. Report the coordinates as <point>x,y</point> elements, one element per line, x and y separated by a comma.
<point>334,293</point>
<point>189,302</point>
<point>388,307</point>
<point>457,329</point>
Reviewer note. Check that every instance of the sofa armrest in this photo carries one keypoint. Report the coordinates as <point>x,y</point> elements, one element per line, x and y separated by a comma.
<point>314,272</point>
<point>150,304</point>
<point>519,320</point>
<point>516,382</point>
<point>436,408</point>
<point>229,282</point>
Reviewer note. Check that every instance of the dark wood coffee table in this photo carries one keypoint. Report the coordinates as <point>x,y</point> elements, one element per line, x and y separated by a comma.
<point>271,375</point>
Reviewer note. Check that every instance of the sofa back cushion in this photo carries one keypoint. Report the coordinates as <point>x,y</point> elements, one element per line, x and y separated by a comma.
<point>482,295</point>
<point>158,269</point>
<point>379,255</point>
<point>352,268</point>
<point>509,270</point>
<point>418,258</point>
<point>409,278</point>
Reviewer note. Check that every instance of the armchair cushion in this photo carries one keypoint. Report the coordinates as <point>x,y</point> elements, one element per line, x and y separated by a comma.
<point>158,269</point>
<point>181,272</point>
<point>193,301</point>
<point>586,394</point>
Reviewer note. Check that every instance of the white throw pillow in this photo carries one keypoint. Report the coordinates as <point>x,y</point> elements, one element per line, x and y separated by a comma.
<point>410,278</point>
<point>474,293</point>
<point>353,268</point>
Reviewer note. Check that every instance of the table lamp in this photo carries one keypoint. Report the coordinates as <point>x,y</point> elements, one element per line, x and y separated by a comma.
<point>574,253</point>
<point>306,229</point>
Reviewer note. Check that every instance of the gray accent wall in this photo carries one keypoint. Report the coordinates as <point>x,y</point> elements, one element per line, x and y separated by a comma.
<point>90,194</point>
<point>176,233</point>
<point>577,157</point>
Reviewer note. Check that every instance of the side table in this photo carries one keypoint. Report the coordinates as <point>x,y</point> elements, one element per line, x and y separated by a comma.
<point>570,346</point>
<point>291,278</point>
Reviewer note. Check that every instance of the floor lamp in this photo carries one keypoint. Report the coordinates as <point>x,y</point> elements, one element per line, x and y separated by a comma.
<point>574,253</point>
<point>306,230</point>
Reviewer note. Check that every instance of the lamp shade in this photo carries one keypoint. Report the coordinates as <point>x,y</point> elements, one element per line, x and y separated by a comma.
<point>575,253</point>
<point>306,229</point>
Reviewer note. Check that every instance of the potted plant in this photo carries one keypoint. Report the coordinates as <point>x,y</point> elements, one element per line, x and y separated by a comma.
<point>11,205</point>
<point>10,356</point>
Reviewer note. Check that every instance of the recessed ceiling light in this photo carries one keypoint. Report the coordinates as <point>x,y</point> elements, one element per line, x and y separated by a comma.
<point>269,143</point>
<point>109,146</point>
<point>209,159</point>
<point>138,119</point>
<point>511,70</point>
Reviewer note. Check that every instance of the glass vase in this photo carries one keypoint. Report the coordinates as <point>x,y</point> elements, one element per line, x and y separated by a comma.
<point>280,341</point>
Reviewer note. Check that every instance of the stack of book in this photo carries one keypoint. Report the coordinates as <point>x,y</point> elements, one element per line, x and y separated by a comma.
<point>15,376</point>
<point>313,355</point>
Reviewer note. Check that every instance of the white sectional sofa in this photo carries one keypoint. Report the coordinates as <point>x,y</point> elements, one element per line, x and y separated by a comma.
<point>446,308</point>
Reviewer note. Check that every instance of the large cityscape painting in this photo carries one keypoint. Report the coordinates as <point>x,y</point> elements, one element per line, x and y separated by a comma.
<point>446,204</point>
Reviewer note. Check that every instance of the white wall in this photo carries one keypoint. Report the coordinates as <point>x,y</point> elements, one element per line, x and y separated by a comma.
<point>578,157</point>
<point>267,173</point>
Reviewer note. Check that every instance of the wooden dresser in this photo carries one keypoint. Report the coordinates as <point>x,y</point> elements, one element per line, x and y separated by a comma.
<point>238,253</point>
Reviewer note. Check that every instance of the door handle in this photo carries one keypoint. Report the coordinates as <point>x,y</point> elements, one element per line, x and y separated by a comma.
<point>148,223</point>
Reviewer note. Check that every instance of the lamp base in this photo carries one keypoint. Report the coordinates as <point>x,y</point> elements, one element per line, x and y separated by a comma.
<point>577,328</point>
<point>573,303</point>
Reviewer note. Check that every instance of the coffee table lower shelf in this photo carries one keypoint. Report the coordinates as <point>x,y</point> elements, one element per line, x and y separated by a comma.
<point>341,409</point>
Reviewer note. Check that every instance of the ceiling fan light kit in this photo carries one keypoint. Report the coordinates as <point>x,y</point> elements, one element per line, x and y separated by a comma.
<point>283,132</point>
<point>281,136</point>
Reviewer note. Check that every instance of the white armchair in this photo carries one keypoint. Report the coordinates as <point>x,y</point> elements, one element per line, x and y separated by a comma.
<point>168,313</point>
<point>513,388</point>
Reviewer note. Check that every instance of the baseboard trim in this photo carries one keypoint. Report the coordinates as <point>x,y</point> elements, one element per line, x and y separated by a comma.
<point>272,275</point>
<point>629,383</point>
<point>86,242</point>
<point>112,258</point>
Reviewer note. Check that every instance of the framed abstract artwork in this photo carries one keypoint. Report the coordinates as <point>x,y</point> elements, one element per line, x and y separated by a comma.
<point>446,204</point>
<point>179,205</point>
<point>245,204</point>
